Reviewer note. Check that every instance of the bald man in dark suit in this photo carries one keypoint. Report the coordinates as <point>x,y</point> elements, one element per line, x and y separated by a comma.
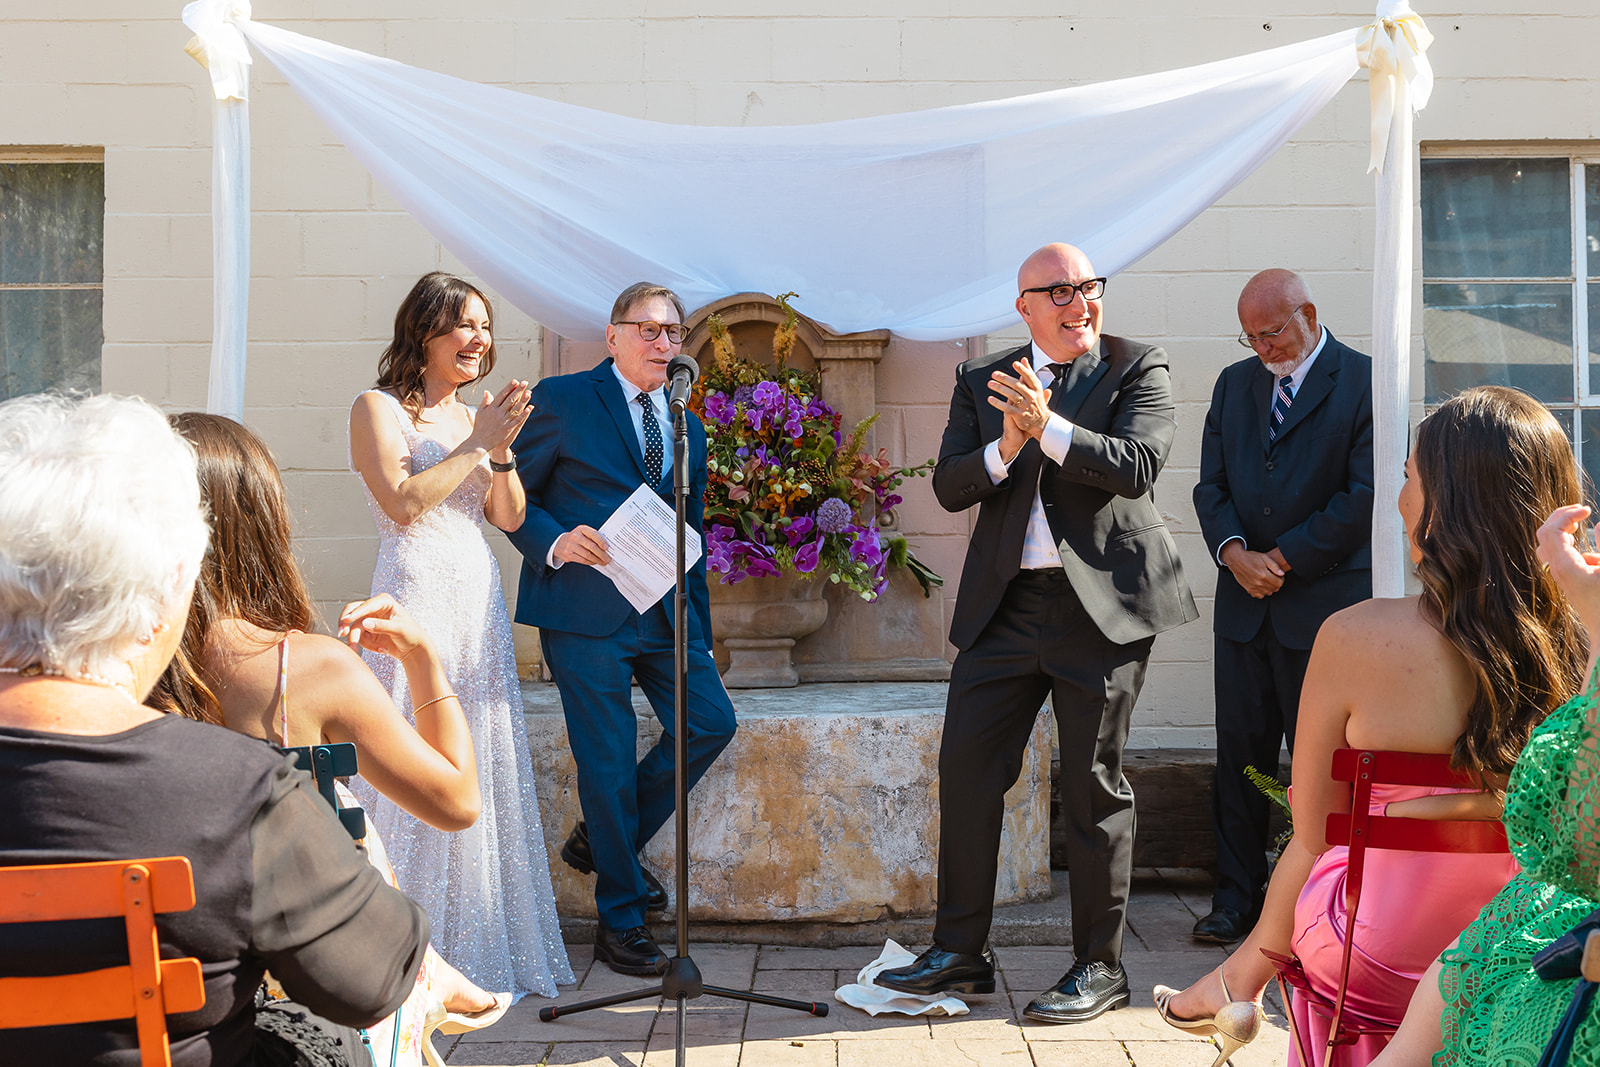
<point>1069,576</point>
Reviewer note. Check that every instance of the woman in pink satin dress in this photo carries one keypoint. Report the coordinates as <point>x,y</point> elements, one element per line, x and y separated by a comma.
<point>1469,667</point>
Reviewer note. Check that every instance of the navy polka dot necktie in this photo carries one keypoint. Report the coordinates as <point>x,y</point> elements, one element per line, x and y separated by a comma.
<point>653,450</point>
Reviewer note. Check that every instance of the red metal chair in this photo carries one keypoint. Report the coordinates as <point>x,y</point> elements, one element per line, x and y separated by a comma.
<point>146,990</point>
<point>1359,830</point>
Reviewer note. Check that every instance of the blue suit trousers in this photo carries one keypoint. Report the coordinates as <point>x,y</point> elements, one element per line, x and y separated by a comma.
<point>625,802</point>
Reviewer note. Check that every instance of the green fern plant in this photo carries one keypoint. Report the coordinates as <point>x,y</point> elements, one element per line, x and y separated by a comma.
<point>1278,793</point>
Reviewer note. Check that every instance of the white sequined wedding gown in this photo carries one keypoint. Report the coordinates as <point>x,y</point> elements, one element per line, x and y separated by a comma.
<point>486,889</point>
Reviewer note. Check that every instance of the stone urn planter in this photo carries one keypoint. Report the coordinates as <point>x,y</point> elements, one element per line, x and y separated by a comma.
<point>759,620</point>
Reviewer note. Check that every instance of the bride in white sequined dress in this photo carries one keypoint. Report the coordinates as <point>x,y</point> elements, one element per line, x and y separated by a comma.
<point>433,469</point>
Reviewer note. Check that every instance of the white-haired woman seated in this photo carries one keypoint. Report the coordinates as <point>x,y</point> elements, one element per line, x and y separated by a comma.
<point>101,535</point>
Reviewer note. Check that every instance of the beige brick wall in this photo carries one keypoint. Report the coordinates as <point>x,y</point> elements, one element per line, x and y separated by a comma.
<point>333,253</point>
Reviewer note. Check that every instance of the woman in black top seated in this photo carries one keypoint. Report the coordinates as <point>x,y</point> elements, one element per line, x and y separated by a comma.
<point>101,535</point>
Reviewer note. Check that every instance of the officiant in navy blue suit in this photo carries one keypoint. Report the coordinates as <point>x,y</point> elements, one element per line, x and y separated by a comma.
<point>1285,503</point>
<point>593,439</point>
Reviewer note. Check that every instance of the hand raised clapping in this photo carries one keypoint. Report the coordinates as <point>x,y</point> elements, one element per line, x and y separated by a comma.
<point>500,418</point>
<point>381,624</point>
<point>1575,569</point>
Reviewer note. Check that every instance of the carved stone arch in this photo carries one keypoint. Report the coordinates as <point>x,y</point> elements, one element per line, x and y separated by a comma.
<point>752,319</point>
<point>848,361</point>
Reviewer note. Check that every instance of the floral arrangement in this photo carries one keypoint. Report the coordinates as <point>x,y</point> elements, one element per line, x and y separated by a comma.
<point>789,492</point>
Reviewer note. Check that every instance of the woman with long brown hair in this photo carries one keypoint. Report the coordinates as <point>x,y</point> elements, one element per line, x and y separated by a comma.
<point>248,662</point>
<point>1469,668</point>
<point>433,469</point>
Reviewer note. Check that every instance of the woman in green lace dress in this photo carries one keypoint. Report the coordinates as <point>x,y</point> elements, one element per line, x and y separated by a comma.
<point>1491,1009</point>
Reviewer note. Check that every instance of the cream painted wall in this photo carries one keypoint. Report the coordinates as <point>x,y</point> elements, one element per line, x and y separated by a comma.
<point>333,253</point>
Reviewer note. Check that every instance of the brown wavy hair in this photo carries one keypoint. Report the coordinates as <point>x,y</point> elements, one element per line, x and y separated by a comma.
<point>1493,464</point>
<point>250,572</point>
<point>433,307</point>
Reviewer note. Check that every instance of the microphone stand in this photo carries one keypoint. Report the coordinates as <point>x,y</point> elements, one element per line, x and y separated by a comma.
<point>681,981</point>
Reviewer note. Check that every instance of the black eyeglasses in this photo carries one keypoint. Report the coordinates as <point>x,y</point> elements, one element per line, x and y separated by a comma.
<point>649,330</point>
<point>1065,293</point>
<point>1250,340</point>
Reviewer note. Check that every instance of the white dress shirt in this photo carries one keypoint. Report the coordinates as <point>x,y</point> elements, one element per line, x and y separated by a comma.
<point>658,405</point>
<point>1038,544</point>
<point>1296,378</point>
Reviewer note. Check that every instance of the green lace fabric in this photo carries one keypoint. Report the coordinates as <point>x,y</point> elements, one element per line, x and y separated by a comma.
<point>1498,1013</point>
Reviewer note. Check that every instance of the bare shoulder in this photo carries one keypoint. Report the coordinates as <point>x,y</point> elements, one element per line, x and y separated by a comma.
<point>1385,642</point>
<point>1379,623</point>
<point>319,661</point>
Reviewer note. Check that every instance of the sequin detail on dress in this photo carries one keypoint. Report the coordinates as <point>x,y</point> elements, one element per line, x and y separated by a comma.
<point>486,889</point>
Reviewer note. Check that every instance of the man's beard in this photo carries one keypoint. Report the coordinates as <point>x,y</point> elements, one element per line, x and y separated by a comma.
<point>1286,367</point>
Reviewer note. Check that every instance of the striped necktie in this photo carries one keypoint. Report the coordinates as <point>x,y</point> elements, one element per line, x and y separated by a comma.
<point>1282,397</point>
<point>654,451</point>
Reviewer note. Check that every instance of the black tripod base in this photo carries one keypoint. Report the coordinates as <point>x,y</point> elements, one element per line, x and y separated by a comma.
<point>681,982</point>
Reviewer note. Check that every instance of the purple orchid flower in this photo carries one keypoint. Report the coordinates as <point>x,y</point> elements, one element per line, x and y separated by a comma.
<point>805,559</point>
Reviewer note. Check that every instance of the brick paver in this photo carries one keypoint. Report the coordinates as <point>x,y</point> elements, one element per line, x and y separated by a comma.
<point>722,1033</point>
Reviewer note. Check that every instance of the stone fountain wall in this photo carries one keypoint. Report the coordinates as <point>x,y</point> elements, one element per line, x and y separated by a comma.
<point>824,807</point>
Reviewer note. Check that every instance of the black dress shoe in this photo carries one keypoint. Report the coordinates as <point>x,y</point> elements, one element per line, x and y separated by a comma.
<point>938,971</point>
<point>1223,926</point>
<point>577,855</point>
<point>1089,989</point>
<point>629,951</point>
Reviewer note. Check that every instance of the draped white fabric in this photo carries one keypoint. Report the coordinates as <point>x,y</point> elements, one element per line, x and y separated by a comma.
<point>219,47</point>
<point>1401,80</point>
<point>915,222</point>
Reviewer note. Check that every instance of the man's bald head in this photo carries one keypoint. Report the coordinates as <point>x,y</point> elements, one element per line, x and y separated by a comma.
<point>1276,312</point>
<point>1062,332</point>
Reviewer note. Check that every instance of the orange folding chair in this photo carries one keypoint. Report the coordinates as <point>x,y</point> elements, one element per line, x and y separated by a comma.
<point>1359,830</point>
<point>146,990</point>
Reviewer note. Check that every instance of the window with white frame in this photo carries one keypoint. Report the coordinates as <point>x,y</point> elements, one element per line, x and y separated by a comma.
<point>1511,281</point>
<point>52,270</point>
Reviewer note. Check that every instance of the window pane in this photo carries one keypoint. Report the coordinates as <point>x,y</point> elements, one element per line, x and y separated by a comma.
<point>1594,336</point>
<point>1591,218</point>
<point>49,338</point>
<point>1496,218</point>
<point>1498,334</point>
<point>52,222</point>
<point>1589,426</point>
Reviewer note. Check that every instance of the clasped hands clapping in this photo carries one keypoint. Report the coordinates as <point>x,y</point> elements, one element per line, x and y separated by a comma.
<point>1026,403</point>
<point>501,418</point>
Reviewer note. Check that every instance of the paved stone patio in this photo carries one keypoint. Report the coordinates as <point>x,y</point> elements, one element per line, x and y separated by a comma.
<point>722,1033</point>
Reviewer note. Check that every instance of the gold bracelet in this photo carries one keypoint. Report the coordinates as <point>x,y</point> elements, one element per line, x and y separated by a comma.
<point>435,700</point>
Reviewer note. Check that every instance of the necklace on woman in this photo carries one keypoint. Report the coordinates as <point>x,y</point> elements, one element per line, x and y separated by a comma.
<point>38,670</point>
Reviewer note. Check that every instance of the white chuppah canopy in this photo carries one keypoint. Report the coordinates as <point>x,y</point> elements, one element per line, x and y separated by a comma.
<point>914,222</point>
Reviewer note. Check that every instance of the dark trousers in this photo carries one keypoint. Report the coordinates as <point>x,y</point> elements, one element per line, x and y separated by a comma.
<point>1258,697</point>
<point>1039,642</point>
<point>625,801</point>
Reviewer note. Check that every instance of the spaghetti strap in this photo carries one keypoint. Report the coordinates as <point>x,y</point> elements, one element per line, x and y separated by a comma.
<point>283,689</point>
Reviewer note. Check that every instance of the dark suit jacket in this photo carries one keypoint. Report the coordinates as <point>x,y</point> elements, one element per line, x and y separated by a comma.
<point>579,459</point>
<point>1309,493</point>
<point>1114,546</point>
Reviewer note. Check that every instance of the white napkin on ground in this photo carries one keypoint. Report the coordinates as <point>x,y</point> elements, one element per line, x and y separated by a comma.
<point>875,1000</point>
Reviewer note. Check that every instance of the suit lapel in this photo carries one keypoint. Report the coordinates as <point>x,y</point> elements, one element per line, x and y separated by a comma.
<point>609,391</point>
<point>1082,374</point>
<point>1314,390</point>
<point>1261,388</point>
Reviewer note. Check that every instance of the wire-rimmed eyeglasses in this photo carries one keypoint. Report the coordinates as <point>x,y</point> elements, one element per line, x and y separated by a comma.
<point>650,329</point>
<point>1065,293</point>
<point>1250,340</point>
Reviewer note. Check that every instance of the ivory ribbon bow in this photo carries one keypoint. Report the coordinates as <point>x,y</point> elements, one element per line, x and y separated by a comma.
<point>1394,47</point>
<point>218,46</point>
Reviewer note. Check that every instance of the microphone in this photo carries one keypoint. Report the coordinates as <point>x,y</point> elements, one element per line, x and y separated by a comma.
<point>681,373</point>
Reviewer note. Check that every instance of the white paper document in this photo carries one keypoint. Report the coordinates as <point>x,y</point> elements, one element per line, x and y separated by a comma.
<point>642,538</point>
